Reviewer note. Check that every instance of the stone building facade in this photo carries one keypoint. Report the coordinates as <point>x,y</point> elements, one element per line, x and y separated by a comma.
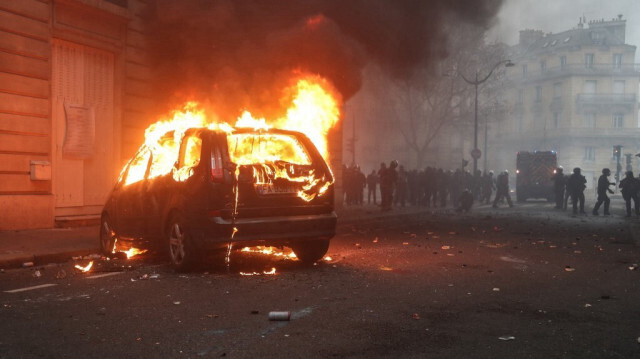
<point>73,94</point>
<point>575,92</point>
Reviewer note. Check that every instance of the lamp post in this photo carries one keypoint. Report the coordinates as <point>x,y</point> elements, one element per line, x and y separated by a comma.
<point>475,153</point>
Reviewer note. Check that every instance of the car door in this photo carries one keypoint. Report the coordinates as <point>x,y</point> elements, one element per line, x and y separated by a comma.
<point>130,196</point>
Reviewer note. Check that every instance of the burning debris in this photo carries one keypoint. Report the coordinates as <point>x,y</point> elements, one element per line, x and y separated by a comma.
<point>84,269</point>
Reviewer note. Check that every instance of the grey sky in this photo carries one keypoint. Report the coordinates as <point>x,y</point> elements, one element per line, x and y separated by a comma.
<point>560,15</point>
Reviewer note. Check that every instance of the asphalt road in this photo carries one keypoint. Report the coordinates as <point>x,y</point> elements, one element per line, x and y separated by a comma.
<point>527,282</point>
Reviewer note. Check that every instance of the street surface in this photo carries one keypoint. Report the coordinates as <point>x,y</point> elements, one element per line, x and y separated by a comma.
<point>525,282</point>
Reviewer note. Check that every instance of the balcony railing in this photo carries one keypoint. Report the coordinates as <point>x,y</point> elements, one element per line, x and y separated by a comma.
<point>606,98</point>
<point>578,70</point>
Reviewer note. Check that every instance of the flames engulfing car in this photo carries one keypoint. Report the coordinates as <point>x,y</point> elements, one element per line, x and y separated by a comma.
<point>255,187</point>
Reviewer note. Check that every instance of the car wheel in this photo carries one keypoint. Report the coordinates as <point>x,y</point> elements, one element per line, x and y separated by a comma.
<point>311,251</point>
<point>107,235</point>
<point>181,253</point>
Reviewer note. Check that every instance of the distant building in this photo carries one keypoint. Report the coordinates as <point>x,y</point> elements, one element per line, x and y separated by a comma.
<point>575,92</point>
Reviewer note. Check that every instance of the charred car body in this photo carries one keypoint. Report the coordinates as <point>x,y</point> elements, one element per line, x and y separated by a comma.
<point>253,187</point>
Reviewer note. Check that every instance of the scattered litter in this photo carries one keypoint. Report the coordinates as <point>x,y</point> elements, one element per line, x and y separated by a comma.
<point>569,269</point>
<point>507,337</point>
<point>61,274</point>
<point>416,316</point>
<point>37,274</point>
<point>386,268</point>
<point>587,305</point>
<point>405,243</point>
<point>633,267</point>
<point>553,246</point>
<point>496,289</point>
<point>577,252</point>
<point>446,247</point>
<point>176,303</point>
<point>27,264</point>
<point>154,276</point>
<point>279,316</point>
<point>358,245</point>
<point>375,240</point>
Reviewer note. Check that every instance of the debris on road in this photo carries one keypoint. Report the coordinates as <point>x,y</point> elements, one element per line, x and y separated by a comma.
<point>507,337</point>
<point>496,289</point>
<point>279,316</point>
<point>27,264</point>
<point>569,269</point>
<point>37,273</point>
<point>61,274</point>
<point>375,240</point>
<point>446,247</point>
<point>416,316</point>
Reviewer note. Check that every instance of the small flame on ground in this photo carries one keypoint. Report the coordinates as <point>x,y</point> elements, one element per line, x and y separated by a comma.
<point>328,258</point>
<point>132,252</point>
<point>271,272</point>
<point>271,251</point>
<point>85,268</point>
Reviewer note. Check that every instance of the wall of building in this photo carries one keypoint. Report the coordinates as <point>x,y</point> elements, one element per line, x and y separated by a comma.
<point>95,34</point>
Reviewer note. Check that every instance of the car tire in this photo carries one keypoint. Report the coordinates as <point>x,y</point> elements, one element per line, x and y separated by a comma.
<point>180,249</point>
<point>107,235</point>
<point>311,251</point>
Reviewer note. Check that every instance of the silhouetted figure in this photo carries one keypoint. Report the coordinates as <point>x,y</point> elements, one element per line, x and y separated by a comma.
<point>465,201</point>
<point>372,185</point>
<point>629,187</point>
<point>487,187</point>
<point>575,186</point>
<point>401,187</point>
<point>603,188</point>
<point>559,182</point>
<point>502,189</point>
<point>387,183</point>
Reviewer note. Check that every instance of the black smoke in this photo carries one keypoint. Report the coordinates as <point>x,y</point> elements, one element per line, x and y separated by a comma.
<point>237,54</point>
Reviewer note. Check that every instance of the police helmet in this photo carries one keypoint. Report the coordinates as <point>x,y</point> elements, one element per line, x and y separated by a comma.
<point>393,164</point>
<point>606,171</point>
<point>576,170</point>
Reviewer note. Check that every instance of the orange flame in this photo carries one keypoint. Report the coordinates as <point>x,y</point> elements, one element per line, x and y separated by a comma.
<point>314,109</point>
<point>85,268</point>
<point>271,251</point>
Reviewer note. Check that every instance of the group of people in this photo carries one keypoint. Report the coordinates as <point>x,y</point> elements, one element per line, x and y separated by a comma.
<point>573,186</point>
<point>431,187</point>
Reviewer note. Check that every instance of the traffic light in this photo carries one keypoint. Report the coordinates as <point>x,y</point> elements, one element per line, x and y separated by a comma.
<point>617,151</point>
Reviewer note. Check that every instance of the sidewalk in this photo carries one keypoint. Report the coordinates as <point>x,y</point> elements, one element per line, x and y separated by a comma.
<point>55,245</point>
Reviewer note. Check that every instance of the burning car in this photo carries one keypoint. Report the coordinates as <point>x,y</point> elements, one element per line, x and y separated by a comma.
<point>197,191</point>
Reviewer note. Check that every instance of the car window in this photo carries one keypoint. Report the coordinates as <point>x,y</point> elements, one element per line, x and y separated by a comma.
<point>253,148</point>
<point>138,166</point>
<point>189,159</point>
<point>164,157</point>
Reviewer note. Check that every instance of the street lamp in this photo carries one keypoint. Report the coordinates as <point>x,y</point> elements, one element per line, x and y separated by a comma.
<point>475,153</point>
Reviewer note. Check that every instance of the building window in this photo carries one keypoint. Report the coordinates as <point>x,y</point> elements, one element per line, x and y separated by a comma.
<point>520,99</point>
<point>538,93</point>
<point>618,87</point>
<point>520,122</point>
<point>618,120</point>
<point>590,86</point>
<point>557,90</point>
<point>590,120</point>
<point>617,61</point>
<point>524,71</point>
<point>556,120</point>
<point>588,60</point>
<point>563,62</point>
<point>543,66</point>
<point>589,153</point>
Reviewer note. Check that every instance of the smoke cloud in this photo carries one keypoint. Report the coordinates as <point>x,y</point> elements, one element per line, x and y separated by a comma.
<point>237,54</point>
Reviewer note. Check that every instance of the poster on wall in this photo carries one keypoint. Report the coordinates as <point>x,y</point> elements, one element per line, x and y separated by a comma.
<point>80,131</point>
